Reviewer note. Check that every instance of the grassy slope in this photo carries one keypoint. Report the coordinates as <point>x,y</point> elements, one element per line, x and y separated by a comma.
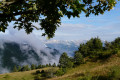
<point>92,68</point>
<point>100,68</point>
<point>26,75</point>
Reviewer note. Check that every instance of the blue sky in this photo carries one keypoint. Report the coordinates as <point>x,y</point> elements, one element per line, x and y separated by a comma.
<point>106,26</point>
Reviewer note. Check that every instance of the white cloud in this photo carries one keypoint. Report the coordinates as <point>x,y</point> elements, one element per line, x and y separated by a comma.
<point>35,41</point>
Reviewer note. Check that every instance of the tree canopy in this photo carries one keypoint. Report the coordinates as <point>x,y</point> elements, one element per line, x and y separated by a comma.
<point>47,13</point>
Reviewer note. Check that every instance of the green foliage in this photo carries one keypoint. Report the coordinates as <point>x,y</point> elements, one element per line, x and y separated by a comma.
<point>108,45</point>
<point>114,45</point>
<point>49,18</point>
<point>42,71</point>
<point>39,66</point>
<point>19,68</point>
<point>49,73</point>
<point>33,67</point>
<point>94,44</point>
<point>91,47</point>
<point>54,65</point>
<point>49,65</point>
<point>83,49</point>
<point>15,69</point>
<point>105,54</point>
<point>94,48</point>
<point>38,72</point>
<point>25,68</point>
<point>78,59</point>
<point>60,71</point>
<point>65,61</point>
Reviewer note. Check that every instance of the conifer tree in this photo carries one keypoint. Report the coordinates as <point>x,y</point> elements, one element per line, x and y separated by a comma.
<point>65,61</point>
<point>54,65</point>
<point>15,69</point>
<point>78,58</point>
<point>32,67</point>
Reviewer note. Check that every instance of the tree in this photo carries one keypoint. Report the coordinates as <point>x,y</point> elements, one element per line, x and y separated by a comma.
<point>54,65</point>
<point>25,68</point>
<point>33,67</point>
<point>91,47</point>
<point>107,45</point>
<point>19,68</point>
<point>83,49</point>
<point>94,44</point>
<point>116,43</point>
<point>47,13</point>
<point>39,66</point>
<point>15,69</point>
<point>78,59</point>
<point>65,61</point>
<point>49,65</point>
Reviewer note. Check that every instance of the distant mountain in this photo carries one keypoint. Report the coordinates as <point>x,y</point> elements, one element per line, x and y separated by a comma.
<point>21,54</point>
<point>64,46</point>
<point>26,53</point>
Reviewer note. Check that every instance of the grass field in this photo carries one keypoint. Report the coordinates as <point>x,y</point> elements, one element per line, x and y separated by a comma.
<point>98,68</point>
<point>26,75</point>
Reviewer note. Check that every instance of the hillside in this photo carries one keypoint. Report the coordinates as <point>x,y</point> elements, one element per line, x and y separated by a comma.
<point>14,53</point>
<point>101,69</point>
<point>25,53</point>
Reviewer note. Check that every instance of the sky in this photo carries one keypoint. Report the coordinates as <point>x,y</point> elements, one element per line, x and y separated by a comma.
<point>106,27</point>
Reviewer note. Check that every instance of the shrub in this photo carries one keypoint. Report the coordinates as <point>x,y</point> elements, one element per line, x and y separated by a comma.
<point>61,71</point>
<point>33,67</point>
<point>78,59</point>
<point>49,73</point>
<point>38,72</point>
<point>42,71</point>
<point>105,54</point>
<point>65,61</point>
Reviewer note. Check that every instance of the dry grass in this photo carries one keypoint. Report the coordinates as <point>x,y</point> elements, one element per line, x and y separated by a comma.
<point>26,75</point>
<point>92,68</point>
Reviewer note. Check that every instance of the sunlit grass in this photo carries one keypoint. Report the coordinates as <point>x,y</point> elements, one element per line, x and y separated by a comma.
<point>26,75</point>
<point>97,69</point>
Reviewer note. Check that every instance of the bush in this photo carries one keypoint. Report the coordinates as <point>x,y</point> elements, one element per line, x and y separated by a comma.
<point>105,54</point>
<point>61,71</point>
<point>65,61</point>
<point>33,67</point>
<point>115,51</point>
<point>42,71</point>
<point>78,59</point>
<point>38,72</point>
<point>49,73</point>
<point>25,68</point>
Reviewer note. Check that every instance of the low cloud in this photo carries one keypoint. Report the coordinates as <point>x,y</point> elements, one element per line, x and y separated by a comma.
<point>38,45</point>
